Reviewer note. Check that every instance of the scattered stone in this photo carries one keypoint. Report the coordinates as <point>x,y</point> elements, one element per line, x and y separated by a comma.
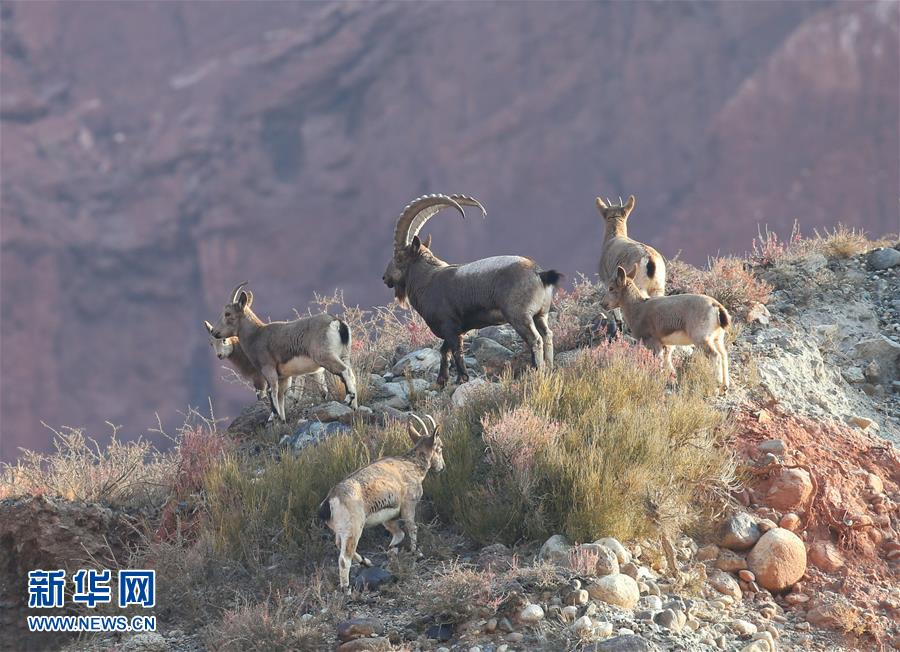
<point>531,614</point>
<point>630,569</point>
<point>569,613</point>
<point>725,584</point>
<point>331,411</point>
<point>622,554</point>
<point>422,362</point>
<point>778,560</point>
<point>747,576</point>
<point>883,258</point>
<point>603,629</point>
<point>309,432</point>
<point>774,446</point>
<point>707,553</point>
<point>583,626</point>
<point>607,562</point>
<point>825,556</point>
<point>624,642</point>
<point>465,392</point>
<point>651,602</point>
<point>556,549</point>
<point>792,488</point>
<point>515,637</point>
<point>145,642</point>
<point>874,484</point>
<point>577,598</point>
<point>619,590</point>
<point>354,628</point>
<point>505,335</point>
<point>863,422</point>
<point>372,578</point>
<point>731,561</point>
<point>379,644</point>
<point>743,627</point>
<point>759,313</point>
<point>790,521</point>
<point>796,598</point>
<point>739,532</point>
<point>667,620</point>
<point>442,632</point>
<point>853,375</point>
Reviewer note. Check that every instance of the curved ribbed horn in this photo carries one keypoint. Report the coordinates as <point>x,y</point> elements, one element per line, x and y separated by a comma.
<point>236,290</point>
<point>413,430</point>
<point>420,211</point>
<point>462,200</point>
<point>433,424</point>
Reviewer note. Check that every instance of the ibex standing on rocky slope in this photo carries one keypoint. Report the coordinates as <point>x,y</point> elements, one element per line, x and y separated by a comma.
<point>663,322</point>
<point>381,493</point>
<point>620,250</point>
<point>453,299</point>
<point>282,349</point>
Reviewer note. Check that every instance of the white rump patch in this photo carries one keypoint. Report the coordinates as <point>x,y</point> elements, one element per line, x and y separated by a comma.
<point>678,338</point>
<point>492,264</point>
<point>382,516</point>
<point>299,366</point>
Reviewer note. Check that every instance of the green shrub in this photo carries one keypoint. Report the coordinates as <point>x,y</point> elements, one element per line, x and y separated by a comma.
<point>598,448</point>
<point>264,506</point>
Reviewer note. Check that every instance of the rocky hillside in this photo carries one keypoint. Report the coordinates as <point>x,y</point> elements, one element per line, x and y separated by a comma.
<point>762,520</point>
<point>156,153</point>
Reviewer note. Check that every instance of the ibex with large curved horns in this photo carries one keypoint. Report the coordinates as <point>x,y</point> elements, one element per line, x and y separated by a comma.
<point>453,299</point>
<point>620,250</point>
<point>281,349</point>
<point>382,493</point>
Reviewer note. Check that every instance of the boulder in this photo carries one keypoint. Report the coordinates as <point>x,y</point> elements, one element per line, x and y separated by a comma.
<point>791,489</point>
<point>739,532</point>
<point>377,644</point>
<point>882,350</point>
<point>613,544</point>
<point>491,355</point>
<point>825,556</point>
<point>372,578</point>
<point>530,614</point>
<point>309,432</point>
<point>725,584</point>
<point>465,392</point>
<point>618,589</point>
<point>607,562</point>
<point>358,628</point>
<point>422,362</point>
<point>331,411</point>
<point>881,259</point>
<point>556,549</point>
<point>778,560</point>
<point>504,335</point>
<point>731,561</point>
<point>622,643</point>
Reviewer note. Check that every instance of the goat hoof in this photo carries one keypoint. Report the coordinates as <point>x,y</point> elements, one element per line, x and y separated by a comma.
<point>366,562</point>
<point>462,379</point>
<point>441,382</point>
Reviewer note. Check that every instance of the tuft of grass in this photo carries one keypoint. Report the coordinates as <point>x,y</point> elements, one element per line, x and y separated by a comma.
<point>576,324</point>
<point>458,592</point>
<point>258,507</point>
<point>623,458</point>
<point>120,474</point>
<point>275,624</point>
<point>728,280</point>
<point>841,242</point>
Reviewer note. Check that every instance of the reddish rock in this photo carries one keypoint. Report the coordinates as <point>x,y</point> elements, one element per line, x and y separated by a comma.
<point>792,488</point>
<point>778,559</point>
<point>825,556</point>
<point>790,521</point>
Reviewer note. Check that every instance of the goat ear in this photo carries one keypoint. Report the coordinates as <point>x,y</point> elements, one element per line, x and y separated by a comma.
<point>601,205</point>
<point>620,276</point>
<point>249,298</point>
<point>243,300</point>
<point>427,243</point>
<point>209,327</point>
<point>416,243</point>
<point>629,204</point>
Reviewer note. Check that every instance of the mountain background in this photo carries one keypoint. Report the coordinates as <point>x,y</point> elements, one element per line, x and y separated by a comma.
<point>154,154</point>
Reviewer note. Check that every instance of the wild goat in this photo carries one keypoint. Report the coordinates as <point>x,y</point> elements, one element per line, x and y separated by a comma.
<point>453,299</point>
<point>678,320</point>
<point>282,349</point>
<point>381,493</point>
<point>228,348</point>
<point>620,250</point>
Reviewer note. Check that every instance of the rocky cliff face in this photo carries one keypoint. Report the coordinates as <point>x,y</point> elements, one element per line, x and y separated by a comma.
<point>155,154</point>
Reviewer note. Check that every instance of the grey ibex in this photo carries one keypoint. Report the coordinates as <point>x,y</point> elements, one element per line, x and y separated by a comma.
<point>380,494</point>
<point>282,349</point>
<point>453,299</point>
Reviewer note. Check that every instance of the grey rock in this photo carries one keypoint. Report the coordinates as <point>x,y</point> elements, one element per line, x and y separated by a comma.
<point>881,259</point>
<point>853,375</point>
<point>607,562</point>
<point>739,532</point>
<point>422,362</point>
<point>309,432</point>
<point>490,354</point>
<point>504,335</point>
<point>556,549</point>
<point>331,411</point>
<point>775,446</point>
<point>372,578</point>
<point>667,619</point>
<point>354,628</point>
<point>622,643</point>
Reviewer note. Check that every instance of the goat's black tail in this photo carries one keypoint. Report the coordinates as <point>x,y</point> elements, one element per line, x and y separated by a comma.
<point>550,277</point>
<point>651,268</point>
<point>724,317</point>
<point>325,511</point>
<point>344,332</point>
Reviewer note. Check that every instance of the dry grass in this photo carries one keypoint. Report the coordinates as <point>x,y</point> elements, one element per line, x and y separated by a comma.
<point>458,592</point>
<point>260,507</point>
<point>842,242</point>
<point>120,474</point>
<point>728,280</point>
<point>579,313</point>
<point>626,457</point>
<point>275,624</point>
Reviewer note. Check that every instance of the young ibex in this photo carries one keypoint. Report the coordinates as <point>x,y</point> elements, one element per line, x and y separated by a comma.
<point>679,320</point>
<point>381,493</point>
<point>620,250</point>
<point>282,349</point>
<point>228,348</point>
<point>453,299</point>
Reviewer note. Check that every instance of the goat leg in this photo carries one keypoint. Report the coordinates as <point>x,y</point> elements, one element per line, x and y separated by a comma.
<point>459,361</point>
<point>444,373</point>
